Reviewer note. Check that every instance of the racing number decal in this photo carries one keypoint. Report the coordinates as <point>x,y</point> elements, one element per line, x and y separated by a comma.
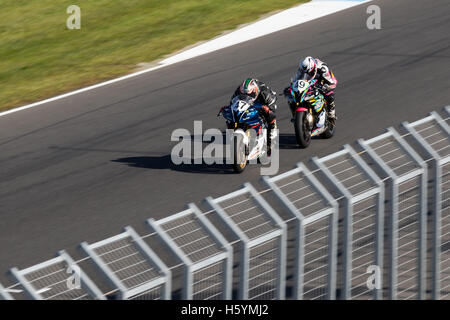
<point>301,84</point>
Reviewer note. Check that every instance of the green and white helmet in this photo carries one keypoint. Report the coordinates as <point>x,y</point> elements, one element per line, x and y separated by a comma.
<point>250,88</point>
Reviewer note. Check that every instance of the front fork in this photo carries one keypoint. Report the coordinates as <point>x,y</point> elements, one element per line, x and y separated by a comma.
<point>310,119</point>
<point>309,114</point>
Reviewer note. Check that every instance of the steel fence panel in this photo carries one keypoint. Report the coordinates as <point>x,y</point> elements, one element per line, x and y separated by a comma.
<point>152,294</point>
<point>263,237</point>
<point>433,136</point>
<point>206,255</point>
<point>362,193</point>
<point>130,266</point>
<point>315,212</point>
<point>407,174</point>
<point>447,111</point>
<point>444,230</point>
<point>410,241</point>
<point>53,280</point>
<point>4,295</point>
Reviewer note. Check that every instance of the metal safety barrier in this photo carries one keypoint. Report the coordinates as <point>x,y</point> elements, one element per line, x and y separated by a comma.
<point>131,266</point>
<point>4,295</point>
<point>49,280</point>
<point>406,173</point>
<point>315,211</point>
<point>206,255</point>
<point>433,136</point>
<point>263,238</point>
<point>363,195</point>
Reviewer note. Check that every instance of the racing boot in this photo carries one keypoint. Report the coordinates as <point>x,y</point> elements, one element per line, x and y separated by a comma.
<point>332,112</point>
<point>271,136</point>
<point>331,109</point>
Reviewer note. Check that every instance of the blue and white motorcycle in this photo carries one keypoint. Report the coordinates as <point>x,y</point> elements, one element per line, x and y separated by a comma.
<point>250,131</point>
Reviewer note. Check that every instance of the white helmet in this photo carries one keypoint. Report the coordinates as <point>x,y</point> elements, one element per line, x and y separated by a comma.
<point>309,66</point>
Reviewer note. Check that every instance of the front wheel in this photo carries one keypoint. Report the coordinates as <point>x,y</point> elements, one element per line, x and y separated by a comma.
<point>302,132</point>
<point>239,154</point>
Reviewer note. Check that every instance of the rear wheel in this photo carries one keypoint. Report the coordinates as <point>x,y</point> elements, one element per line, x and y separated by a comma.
<point>302,132</point>
<point>239,155</point>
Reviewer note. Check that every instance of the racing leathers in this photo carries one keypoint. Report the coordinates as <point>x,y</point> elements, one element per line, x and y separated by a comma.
<point>267,98</point>
<point>328,83</point>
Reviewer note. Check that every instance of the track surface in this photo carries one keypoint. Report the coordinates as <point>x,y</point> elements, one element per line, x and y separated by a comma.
<point>81,168</point>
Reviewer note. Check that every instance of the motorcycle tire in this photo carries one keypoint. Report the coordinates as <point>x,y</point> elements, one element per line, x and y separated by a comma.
<point>302,132</point>
<point>239,156</point>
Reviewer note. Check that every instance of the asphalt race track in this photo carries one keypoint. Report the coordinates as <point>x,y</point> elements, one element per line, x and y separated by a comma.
<point>82,168</point>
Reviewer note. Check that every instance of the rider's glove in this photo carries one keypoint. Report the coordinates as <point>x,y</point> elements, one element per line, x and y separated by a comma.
<point>325,87</point>
<point>220,111</point>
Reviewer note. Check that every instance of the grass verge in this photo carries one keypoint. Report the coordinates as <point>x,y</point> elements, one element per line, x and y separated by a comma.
<point>40,57</point>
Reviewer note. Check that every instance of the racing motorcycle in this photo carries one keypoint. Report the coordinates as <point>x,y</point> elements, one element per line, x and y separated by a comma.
<point>243,117</point>
<point>308,107</point>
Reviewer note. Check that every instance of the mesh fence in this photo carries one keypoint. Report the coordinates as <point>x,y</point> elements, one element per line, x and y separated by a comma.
<point>263,271</point>
<point>51,282</point>
<point>405,171</point>
<point>314,211</point>
<point>152,294</point>
<point>204,252</point>
<point>130,265</point>
<point>263,237</point>
<point>364,246</point>
<point>316,261</point>
<point>57,279</point>
<point>208,282</point>
<point>391,153</point>
<point>408,241</point>
<point>301,193</point>
<point>126,262</point>
<point>432,134</point>
<point>347,171</point>
<point>362,216</point>
<point>189,235</point>
<point>444,258</point>
<point>245,212</point>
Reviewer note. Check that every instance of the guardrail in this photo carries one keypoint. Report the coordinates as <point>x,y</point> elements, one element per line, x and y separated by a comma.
<point>315,215</point>
<point>263,236</point>
<point>131,266</point>
<point>432,134</point>
<point>404,173</point>
<point>363,200</point>
<point>203,251</point>
<point>47,280</point>
<point>361,220</point>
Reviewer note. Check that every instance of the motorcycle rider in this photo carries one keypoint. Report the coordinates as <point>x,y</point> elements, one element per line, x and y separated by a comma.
<point>259,91</point>
<point>313,68</point>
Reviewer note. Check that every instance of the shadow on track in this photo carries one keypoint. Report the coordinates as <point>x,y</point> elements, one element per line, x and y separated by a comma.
<point>165,162</point>
<point>288,141</point>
